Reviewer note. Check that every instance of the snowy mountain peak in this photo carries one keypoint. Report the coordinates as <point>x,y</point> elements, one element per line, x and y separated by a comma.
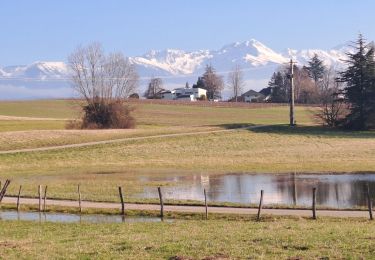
<point>175,67</point>
<point>38,69</point>
<point>251,52</point>
<point>171,61</point>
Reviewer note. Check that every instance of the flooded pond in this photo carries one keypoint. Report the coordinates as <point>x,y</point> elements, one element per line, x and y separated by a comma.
<point>333,190</point>
<point>72,218</point>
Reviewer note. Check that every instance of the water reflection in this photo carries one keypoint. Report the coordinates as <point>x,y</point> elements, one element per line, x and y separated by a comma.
<point>333,190</point>
<point>72,218</point>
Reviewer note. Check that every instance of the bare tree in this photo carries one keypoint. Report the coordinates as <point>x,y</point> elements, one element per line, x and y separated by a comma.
<point>305,89</point>
<point>236,81</point>
<point>333,107</point>
<point>96,76</point>
<point>213,83</point>
<point>328,84</point>
<point>103,81</point>
<point>154,87</point>
<point>332,111</point>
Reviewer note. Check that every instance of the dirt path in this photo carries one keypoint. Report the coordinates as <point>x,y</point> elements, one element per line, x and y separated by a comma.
<point>194,209</point>
<point>123,140</point>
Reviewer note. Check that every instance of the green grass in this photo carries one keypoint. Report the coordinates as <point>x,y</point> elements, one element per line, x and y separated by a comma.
<point>33,139</point>
<point>156,119</point>
<point>101,168</point>
<point>273,238</point>
<point>179,115</point>
<point>161,114</point>
<point>24,125</point>
<point>40,108</point>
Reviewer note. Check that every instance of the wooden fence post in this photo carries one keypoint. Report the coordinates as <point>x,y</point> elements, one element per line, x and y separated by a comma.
<point>294,190</point>
<point>4,189</point>
<point>369,202</point>
<point>260,205</point>
<point>18,198</point>
<point>44,199</point>
<point>79,198</point>
<point>161,203</point>
<point>122,201</point>
<point>40,197</point>
<point>205,203</point>
<point>314,202</point>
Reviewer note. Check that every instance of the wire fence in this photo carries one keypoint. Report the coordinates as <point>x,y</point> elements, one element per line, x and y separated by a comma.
<point>310,198</point>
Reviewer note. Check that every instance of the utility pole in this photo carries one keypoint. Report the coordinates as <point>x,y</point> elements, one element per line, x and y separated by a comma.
<point>291,76</point>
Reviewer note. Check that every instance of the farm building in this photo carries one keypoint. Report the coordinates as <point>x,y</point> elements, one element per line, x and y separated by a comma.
<point>252,96</point>
<point>191,94</point>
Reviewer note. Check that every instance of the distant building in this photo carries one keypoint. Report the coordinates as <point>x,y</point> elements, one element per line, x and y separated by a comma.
<point>191,94</point>
<point>166,94</point>
<point>252,96</point>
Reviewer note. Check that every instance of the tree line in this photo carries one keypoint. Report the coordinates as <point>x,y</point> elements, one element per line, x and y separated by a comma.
<point>347,97</point>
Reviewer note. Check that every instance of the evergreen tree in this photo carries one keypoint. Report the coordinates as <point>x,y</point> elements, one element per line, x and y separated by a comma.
<point>279,87</point>
<point>316,69</point>
<point>359,78</point>
<point>199,84</point>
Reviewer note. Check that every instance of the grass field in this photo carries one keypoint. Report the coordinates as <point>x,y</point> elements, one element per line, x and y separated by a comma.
<point>151,119</point>
<point>101,168</point>
<point>273,238</point>
<point>40,108</point>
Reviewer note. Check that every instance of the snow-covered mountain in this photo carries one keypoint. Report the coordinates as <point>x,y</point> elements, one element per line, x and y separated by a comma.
<point>51,79</point>
<point>38,70</point>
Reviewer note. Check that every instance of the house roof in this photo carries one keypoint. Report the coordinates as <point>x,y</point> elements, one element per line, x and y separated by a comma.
<point>164,92</point>
<point>252,93</point>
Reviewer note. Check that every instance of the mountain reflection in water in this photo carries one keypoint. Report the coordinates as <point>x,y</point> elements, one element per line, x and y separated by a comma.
<point>333,190</point>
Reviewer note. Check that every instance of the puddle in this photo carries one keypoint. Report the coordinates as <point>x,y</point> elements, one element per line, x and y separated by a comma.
<point>333,190</point>
<point>72,218</point>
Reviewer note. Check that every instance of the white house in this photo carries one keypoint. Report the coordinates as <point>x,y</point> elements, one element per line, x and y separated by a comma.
<point>191,94</point>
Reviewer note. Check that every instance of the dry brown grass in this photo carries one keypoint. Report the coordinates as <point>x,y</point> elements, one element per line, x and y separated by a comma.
<point>43,138</point>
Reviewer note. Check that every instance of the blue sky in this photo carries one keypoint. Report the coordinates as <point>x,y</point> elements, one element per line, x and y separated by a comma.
<point>49,30</point>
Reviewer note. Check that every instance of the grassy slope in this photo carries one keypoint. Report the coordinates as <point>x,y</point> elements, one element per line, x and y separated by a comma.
<point>152,119</point>
<point>24,125</point>
<point>101,168</point>
<point>272,239</point>
<point>34,139</point>
<point>39,108</point>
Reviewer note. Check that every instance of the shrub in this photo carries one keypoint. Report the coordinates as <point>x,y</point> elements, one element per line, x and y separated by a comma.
<point>103,115</point>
